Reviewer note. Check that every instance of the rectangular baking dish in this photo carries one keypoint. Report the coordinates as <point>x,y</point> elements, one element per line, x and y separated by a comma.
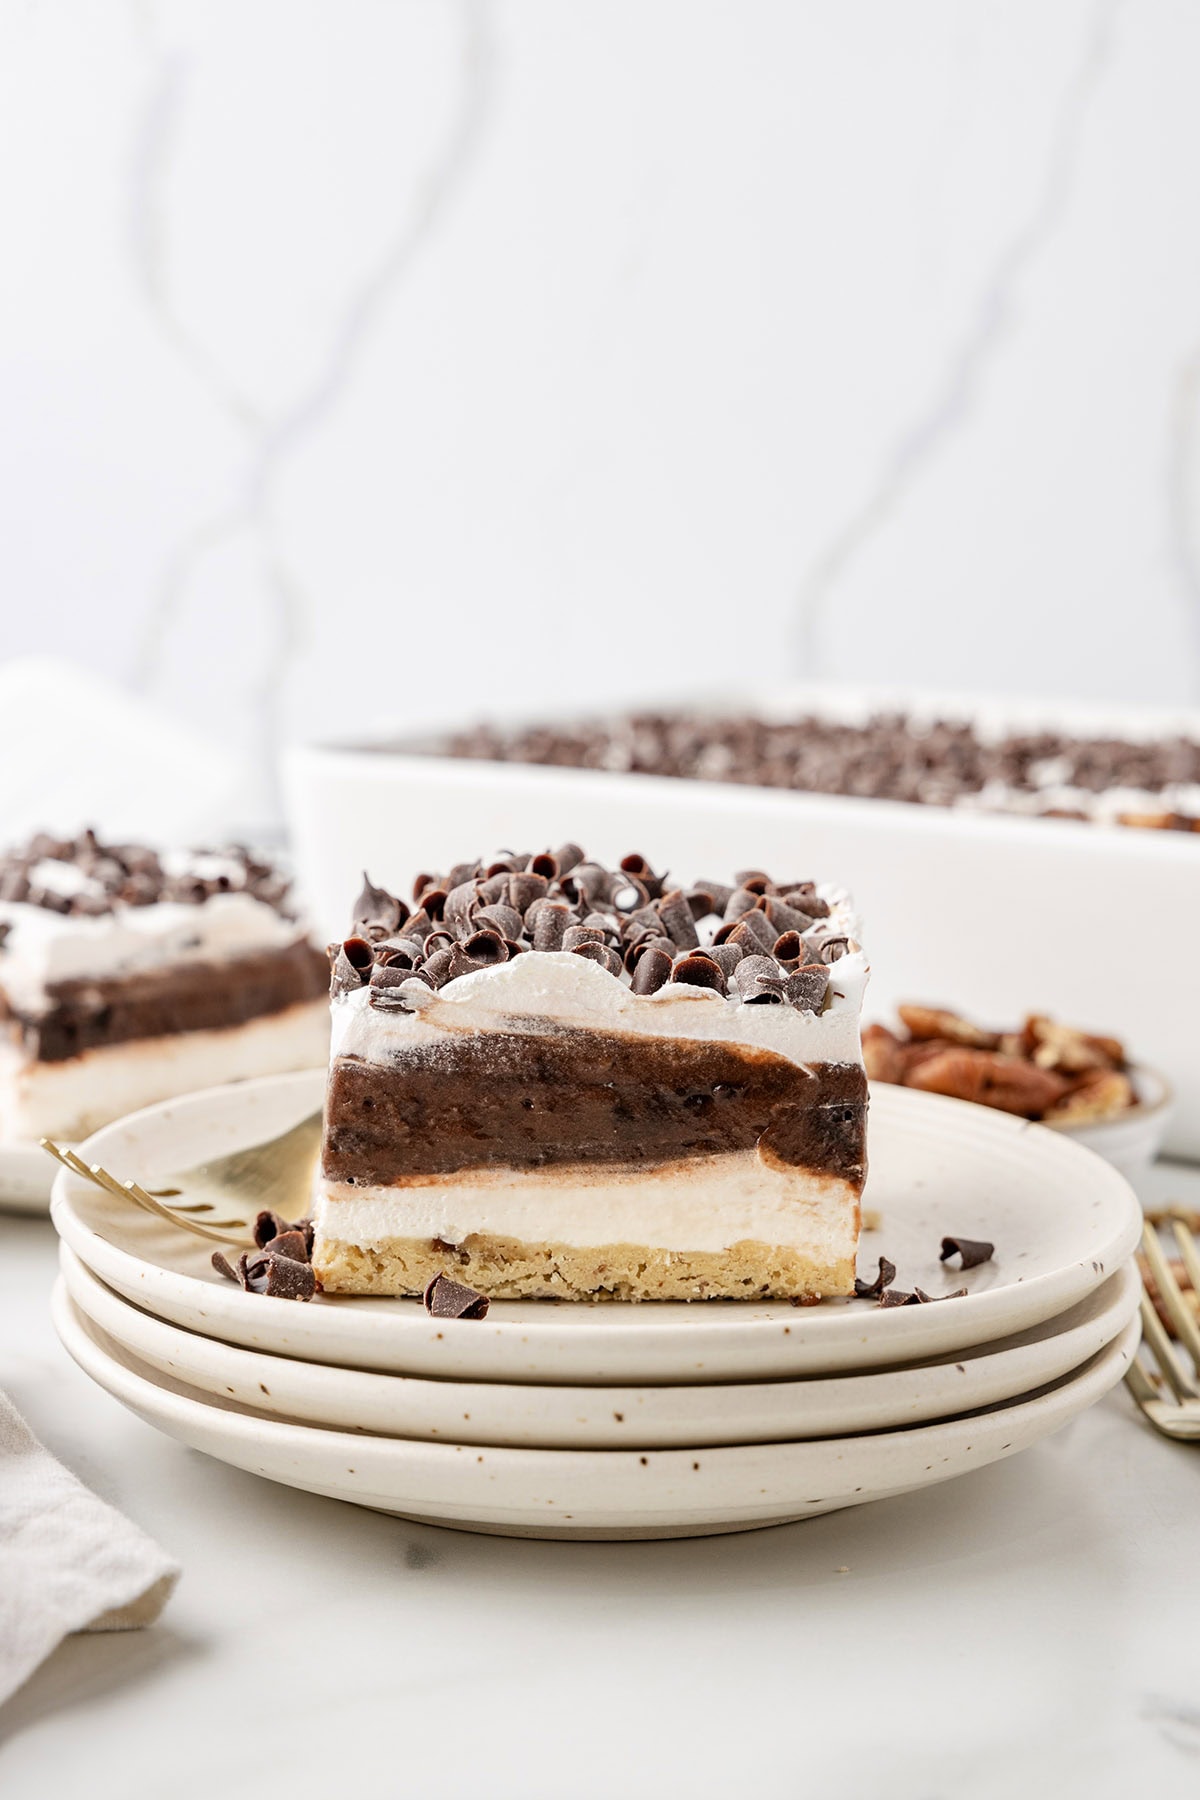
<point>992,914</point>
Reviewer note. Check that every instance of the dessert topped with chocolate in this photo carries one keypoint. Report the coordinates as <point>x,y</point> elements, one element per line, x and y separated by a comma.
<point>129,974</point>
<point>887,756</point>
<point>592,1081</point>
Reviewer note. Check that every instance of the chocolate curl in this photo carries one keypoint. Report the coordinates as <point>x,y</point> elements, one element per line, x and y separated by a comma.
<point>790,950</point>
<point>677,920</point>
<point>399,952</point>
<point>281,1277</point>
<point>423,881</point>
<point>591,883</point>
<point>351,966</point>
<point>567,857</point>
<point>754,881</point>
<point>269,1226</point>
<point>652,972</point>
<point>834,948</point>
<point>437,969</point>
<point>433,903</point>
<point>448,1299</point>
<point>377,914</point>
<point>441,940</point>
<point>608,923</point>
<point>701,903</point>
<point>483,950</point>
<point>727,956</point>
<point>462,874</point>
<point>503,919</point>
<point>971,1251</point>
<point>495,889</point>
<point>699,970</point>
<point>406,995</point>
<point>598,953</point>
<point>806,988</point>
<point>550,924</point>
<point>721,893</point>
<point>872,1290</point>
<point>740,902</point>
<point>628,895</point>
<point>545,865</point>
<point>460,902</point>
<point>782,916</point>
<point>524,888</point>
<point>515,947</point>
<point>758,981</point>
<point>644,919</point>
<point>649,940</point>
<point>805,899</point>
<point>751,933</point>
<point>503,865</point>
<point>575,935</point>
<point>419,926</point>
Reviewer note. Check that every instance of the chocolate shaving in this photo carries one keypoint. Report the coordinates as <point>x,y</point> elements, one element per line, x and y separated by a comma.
<point>597,953</point>
<point>719,892</point>
<point>758,981</point>
<point>833,949</point>
<point>377,914</point>
<point>566,857</point>
<point>482,950</point>
<point>918,1297</point>
<point>699,970</point>
<point>504,919</point>
<point>789,949</point>
<point>872,1290</point>
<point>677,921</point>
<point>344,975</point>
<point>583,934</point>
<point>524,888</point>
<point>269,1225</point>
<point>279,1277</point>
<point>446,1298</point>
<point>550,924</point>
<point>972,1251</point>
<point>437,969</point>
<point>653,970</point>
<point>806,988</point>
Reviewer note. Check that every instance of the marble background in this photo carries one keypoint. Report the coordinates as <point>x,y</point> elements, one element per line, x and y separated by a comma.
<point>386,361</point>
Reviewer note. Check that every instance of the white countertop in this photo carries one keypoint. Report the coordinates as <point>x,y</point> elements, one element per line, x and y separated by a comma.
<point>1029,1628</point>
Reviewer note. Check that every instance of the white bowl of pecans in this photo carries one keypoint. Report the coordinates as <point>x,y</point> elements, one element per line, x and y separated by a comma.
<point>1074,1081</point>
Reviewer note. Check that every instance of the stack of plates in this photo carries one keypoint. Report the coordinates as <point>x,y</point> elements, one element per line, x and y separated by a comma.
<point>548,1419</point>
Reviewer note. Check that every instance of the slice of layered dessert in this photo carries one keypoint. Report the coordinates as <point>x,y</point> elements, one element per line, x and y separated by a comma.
<point>551,1078</point>
<point>126,978</point>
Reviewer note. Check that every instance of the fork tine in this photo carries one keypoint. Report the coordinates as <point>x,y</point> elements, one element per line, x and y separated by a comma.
<point>68,1159</point>
<point>1176,1307</point>
<point>1188,1251</point>
<point>1159,1346</point>
<point>1141,1386</point>
<point>129,1190</point>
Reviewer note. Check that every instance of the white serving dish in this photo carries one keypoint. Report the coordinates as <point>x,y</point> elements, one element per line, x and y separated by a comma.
<point>994,915</point>
<point>529,1415</point>
<point>1061,1220</point>
<point>1132,1140</point>
<point>586,1493</point>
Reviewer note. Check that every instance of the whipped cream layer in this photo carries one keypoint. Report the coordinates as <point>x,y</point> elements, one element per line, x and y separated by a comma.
<point>711,1207</point>
<point>557,987</point>
<point>42,949</point>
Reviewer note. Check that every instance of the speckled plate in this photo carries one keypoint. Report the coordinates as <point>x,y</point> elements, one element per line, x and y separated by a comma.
<point>1061,1220</point>
<point>600,1418</point>
<point>587,1493</point>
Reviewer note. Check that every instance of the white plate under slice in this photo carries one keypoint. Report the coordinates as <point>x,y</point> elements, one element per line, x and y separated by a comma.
<point>605,1418</point>
<point>1061,1220</point>
<point>26,1178</point>
<point>587,1493</point>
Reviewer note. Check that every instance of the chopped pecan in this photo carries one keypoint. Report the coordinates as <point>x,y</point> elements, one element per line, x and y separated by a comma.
<point>990,1080</point>
<point>932,1022</point>
<point>1055,1046</point>
<point>1098,1094</point>
<point>883,1054</point>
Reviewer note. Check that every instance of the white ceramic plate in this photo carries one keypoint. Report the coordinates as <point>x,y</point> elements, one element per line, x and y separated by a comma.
<point>587,1493</point>
<point>1061,1219</point>
<point>600,1418</point>
<point>26,1178</point>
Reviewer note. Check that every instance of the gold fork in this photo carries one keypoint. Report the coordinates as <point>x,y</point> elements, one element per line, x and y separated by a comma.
<point>274,1177</point>
<point>1169,1393</point>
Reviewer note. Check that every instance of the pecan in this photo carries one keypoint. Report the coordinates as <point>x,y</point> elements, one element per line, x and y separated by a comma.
<point>990,1080</point>
<point>883,1054</point>
<point>933,1022</point>
<point>1098,1094</point>
<point>1054,1046</point>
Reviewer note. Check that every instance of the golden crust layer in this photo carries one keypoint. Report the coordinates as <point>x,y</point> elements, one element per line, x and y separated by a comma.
<point>508,1269</point>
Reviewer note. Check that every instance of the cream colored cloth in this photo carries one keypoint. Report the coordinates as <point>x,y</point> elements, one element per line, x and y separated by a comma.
<point>68,1562</point>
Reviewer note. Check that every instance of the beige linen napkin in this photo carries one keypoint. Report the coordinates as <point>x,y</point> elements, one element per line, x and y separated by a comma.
<point>68,1562</point>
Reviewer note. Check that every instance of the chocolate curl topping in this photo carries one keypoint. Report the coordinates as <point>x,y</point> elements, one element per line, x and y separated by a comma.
<point>752,932</point>
<point>545,865</point>
<point>448,1299</point>
<point>269,1225</point>
<point>676,916</point>
<point>483,950</point>
<point>971,1251</point>
<point>741,902</point>
<point>433,903</point>
<point>550,924</point>
<point>503,865</point>
<point>758,981</point>
<point>282,1277</point>
<point>698,970</point>
<point>598,953</point>
<point>629,895</point>
<point>441,940</point>
<point>575,935</point>
<point>782,916</point>
<point>503,919</point>
<point>871,1290</point>
<point>463,874</point>
<point>700,903</point>
<point>721,893</point>
<point>806,988</point>
<point>437,969</point>
<point>728,956</point>
<point>834,948</point>
<point>652,972</point>
<point>567,856</point>
<point>399,952</point>
<point>754,881</point>
<point>494,889</point>
<point>790,950</point>
<point>377,914</point>
<point>419,926</point>
<point>460,901</point>
<point>422,882</point>
<point>352,963</point>
<point>648,941</point>
<point>524,888</point>
<point>805,899</point>
<point>644,919</point>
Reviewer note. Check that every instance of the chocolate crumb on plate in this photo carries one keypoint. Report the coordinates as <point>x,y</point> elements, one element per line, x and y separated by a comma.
<point>872,1290</point>
<point>972,1251</point>
<point>446,1298</point>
